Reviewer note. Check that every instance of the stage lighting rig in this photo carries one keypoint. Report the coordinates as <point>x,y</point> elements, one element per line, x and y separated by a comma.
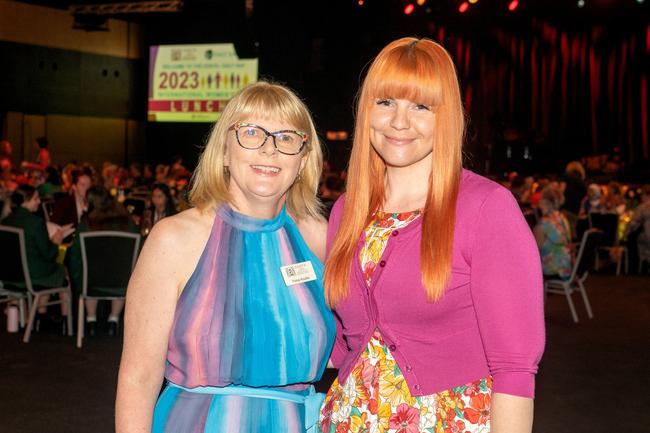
<point>94,17</point>
<point>127,8</point>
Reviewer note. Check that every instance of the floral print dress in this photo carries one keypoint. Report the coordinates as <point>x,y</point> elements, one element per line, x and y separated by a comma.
<point>375,397</point>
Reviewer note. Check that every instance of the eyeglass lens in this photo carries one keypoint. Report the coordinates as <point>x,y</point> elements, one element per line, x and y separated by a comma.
<point>252,137</point>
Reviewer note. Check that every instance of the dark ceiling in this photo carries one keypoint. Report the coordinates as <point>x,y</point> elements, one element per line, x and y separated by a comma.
<point>615,12</point>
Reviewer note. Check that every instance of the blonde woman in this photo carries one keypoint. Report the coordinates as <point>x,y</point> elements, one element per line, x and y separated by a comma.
<point>226,301</point>
<point>432,271</point>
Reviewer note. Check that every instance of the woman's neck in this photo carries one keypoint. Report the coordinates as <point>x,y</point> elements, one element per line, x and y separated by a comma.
<point>405,189</point>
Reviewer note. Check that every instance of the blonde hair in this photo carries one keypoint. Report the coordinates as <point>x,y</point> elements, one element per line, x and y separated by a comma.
<point>209,186</point>
<point>419,70</point>
<point>553,197</point>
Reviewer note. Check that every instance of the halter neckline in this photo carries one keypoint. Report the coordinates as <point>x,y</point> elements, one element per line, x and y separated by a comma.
<point>249,223</point>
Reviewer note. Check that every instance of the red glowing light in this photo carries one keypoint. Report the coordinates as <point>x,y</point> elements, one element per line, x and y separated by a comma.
<point>360,2</point>
<point>513,5</point>
<point>409,9</point>
<point>463,7</point>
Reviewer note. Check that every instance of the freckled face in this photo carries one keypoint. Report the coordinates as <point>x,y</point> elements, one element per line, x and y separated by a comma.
<point>261,175</point>
<point>401,131</point>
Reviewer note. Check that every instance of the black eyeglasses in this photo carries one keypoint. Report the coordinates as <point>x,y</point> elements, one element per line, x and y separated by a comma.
<point>250,136</point>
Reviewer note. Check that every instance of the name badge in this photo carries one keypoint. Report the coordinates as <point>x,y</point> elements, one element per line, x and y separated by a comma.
<point>298,273</point>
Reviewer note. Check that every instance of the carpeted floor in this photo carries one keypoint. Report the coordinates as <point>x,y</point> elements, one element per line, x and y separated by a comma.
<point>594,377</point>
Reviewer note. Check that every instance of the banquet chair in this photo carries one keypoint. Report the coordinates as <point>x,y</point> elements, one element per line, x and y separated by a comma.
<point>608,223</point>
<point>47,206</point>
<point>14,274</point>
<point>643,259</point>
<point>575,283</point>
<point>107,258</point>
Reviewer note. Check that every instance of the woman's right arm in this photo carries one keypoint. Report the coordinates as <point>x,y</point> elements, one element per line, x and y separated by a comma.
<point>150,304</point>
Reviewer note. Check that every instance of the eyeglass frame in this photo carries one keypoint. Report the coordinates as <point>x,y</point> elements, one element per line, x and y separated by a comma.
<point>239,125</point>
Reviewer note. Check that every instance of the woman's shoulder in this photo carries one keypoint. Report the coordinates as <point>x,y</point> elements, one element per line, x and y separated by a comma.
<point>474,184</point>
<point>310,226</point>
<point>477,192</point>
<point>314,232</point>
<point>185,222</point>
<point>29,219</point>
<point>189,225</point>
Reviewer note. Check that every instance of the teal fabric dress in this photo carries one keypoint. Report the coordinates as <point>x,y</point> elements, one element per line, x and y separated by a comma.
<point>246,344</point>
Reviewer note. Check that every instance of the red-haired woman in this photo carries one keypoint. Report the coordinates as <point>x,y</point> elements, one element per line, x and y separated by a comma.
<point>435,276</point>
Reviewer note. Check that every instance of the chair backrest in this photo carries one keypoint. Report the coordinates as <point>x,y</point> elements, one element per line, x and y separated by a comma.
<point>14,270</point>
<point>608,224</point>
<point>587,251</point>
<point>108,258</point>
<point>47,206</point>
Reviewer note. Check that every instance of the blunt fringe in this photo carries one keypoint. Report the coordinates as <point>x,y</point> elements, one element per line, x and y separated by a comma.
<point>418,70</point>
<point>209,186</point>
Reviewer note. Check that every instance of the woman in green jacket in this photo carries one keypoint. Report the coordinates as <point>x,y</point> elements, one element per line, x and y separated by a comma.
<point>41,249</point>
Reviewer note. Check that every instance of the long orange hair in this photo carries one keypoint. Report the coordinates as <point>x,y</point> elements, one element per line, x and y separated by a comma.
<point>421,71</point>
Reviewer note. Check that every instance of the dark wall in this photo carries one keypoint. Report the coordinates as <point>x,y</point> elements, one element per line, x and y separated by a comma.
<point>42,80</point>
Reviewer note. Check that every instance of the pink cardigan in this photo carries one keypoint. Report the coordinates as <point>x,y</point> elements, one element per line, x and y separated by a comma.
<point>490,319</point>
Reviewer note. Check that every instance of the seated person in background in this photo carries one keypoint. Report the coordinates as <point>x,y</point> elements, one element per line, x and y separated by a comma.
<point>147,175</point>
<point>161,173</point>
<point>177,170</point>
<point>553,235</point>
<point>7,184</point>
<point>135,175</point>
<point>536,191</point>
<point>614,200</point>
<point>641,218</point>
<point>69,210</point>
<point>51,183</point>
<point>592,202</point>
<point>5,154</point>
<point>162,202</point>
<point>104,213</point>
<point>41,250</point>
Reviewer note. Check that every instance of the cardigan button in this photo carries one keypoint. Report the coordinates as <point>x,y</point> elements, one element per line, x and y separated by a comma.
<point>382,263</point>
<point>409,368</point>
<point>417,387</point>
<point>392,347</point>
<point>395,232</point>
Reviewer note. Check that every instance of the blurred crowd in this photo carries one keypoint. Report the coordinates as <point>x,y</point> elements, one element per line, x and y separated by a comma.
<point>55,182</point>
<point>79,197</point>
<point>559,208</point>
<point>52,204</point>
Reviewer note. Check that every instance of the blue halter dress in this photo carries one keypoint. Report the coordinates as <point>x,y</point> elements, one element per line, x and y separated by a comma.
<point>244,346</point>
